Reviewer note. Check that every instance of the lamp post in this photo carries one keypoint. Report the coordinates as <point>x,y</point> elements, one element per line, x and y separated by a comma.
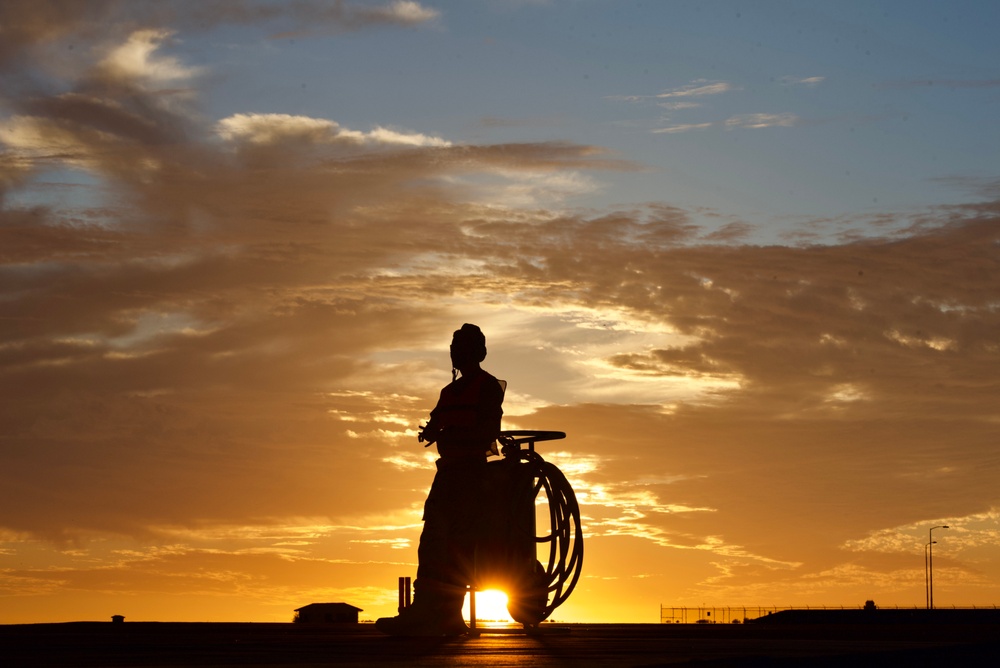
<point>930,565</point>
<point>927,591</point>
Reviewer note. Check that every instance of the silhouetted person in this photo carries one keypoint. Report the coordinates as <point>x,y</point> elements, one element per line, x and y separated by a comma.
<point>464,425</point>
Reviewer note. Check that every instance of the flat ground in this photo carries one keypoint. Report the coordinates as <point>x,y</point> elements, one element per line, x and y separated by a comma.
<point>577,645</point>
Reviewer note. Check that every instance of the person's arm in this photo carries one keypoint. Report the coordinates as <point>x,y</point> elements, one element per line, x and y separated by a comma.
<point>430,432</point>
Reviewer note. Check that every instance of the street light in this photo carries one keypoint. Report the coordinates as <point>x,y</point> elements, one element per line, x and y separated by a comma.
<point>930,565</point>
<point>927,591</point>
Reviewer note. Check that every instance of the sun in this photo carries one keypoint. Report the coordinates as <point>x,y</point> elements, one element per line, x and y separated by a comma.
<point>491,606</point>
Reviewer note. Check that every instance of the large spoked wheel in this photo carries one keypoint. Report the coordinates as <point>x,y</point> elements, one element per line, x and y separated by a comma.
<point>556,531</point>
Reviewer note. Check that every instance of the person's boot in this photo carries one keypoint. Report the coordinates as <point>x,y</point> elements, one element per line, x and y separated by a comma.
<point>433,613</point>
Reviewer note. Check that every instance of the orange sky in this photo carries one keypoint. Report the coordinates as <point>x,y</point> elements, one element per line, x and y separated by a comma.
<point>219,334</point>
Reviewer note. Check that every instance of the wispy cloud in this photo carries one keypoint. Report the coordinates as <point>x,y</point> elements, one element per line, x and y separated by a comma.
<point>757,121</point>
<point>680,100</point>
<point>677,106</point>
<point>811,82</point>
<point>137,59</point>
<point>743,121</point>
<point>682,127</point>
<point>698,88</point>
<point>32,27</point>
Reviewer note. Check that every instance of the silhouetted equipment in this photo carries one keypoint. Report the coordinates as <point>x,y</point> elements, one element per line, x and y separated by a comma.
<point>509,549</point>
<point>405,593</point>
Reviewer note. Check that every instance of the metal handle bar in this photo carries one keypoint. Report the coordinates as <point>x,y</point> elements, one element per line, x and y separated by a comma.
<point>529,436</point>
<point>512,440</point>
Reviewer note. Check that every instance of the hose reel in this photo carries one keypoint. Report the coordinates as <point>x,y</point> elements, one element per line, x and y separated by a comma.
<point>532,545</point>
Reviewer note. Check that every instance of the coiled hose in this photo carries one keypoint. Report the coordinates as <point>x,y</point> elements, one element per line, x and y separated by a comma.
<point>565,540</point>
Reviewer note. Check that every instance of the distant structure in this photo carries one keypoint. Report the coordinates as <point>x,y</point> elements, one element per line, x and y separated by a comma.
<point>327,613</point>
<point>117,619</point>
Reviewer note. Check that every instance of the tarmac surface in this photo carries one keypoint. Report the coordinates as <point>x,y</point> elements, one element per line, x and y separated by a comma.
<point>148,644</point>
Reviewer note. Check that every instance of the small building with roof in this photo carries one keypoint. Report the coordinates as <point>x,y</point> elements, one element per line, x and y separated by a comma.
<point>327,613</point>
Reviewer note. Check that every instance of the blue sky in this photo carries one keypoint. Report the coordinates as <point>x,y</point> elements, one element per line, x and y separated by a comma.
<point>806,110</point>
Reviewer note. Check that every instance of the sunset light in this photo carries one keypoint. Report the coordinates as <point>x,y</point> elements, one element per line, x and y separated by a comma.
<point>491,607</point>
<point>746,255</point>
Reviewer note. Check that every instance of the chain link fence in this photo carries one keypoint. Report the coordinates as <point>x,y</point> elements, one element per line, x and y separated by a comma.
<point>741,614</point>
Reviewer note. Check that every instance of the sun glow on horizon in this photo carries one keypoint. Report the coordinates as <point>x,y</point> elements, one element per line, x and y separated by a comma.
<point>491,607</point>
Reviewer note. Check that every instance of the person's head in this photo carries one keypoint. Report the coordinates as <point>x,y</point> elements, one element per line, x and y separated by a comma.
<point>468,347</point>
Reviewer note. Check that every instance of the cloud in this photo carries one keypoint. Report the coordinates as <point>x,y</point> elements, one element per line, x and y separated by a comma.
<point>698,88</point>
<point>745,121</point>
<point>348,15</point>
<point>408,12</point>
<point>683,127</point>
<point>30,29</point>
<point>136,59</point>
<point>397,12</point>
<point>757,121</point>
<point>205,273</point>
<point>964,535</point>
<point>318,17</point>
<point>677,106</point>
<point>387,136</point>
<point>275,128</point>
<point>702,87</point>
<point>811,82</point>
